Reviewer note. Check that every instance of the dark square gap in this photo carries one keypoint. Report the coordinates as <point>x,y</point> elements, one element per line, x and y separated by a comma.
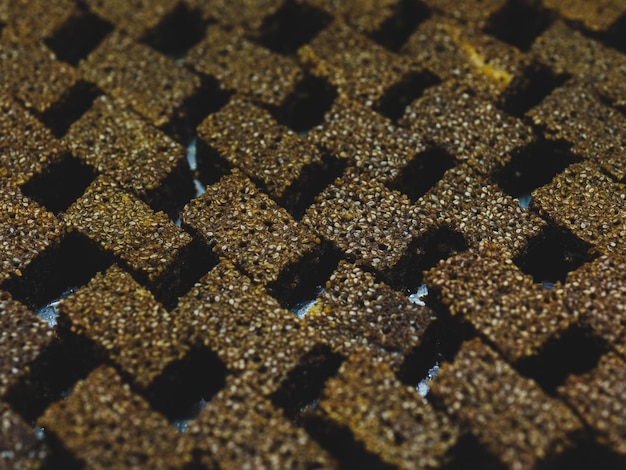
<point>576,352</point>
<point>60,184</point>
<point>312,181</point>
<point>339,441</point>
<point>395,31</point>
<point>551,255</point>
<point>295,24</point>
<point>528,91</point>
<point>80,35</point>
<point>469,449</point>
<point>395,100</point>
<point>616,35</point>
<point>174,191</point>
<point>588,453</point>
<point>304,384</point>
<point>58,456</point>
<point>58,270</point>
<point>210,164</point>
<point>208,99</point>
<point>439,345</point>
<point>519,22</point>
<point>302,282</point>
<point>306,106</point>
<point>192,263</point>
<point>185,386</point>
<point>423,172</point>
<point>69,109</point>
<point>177,32</point>
<point>533,166</point>
<point>52,376</point>
<point>424,253</point>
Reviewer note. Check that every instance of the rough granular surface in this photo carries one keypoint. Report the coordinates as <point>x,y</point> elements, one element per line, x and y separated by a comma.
<point>313,234</point>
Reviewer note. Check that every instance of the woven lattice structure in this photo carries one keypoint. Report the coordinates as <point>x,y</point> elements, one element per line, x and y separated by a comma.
<point>313,234</point>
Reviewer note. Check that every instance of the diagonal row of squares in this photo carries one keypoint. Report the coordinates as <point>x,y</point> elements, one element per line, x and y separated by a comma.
<point>412,150</point>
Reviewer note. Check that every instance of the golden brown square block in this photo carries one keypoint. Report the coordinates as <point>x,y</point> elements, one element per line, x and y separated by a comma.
<point>359,67</point>
<point>388,417</point>
<point>150,83</point>
<point>501,302</point>
<point>27,145</point>
<point>364,219</point>
<point>249,138</point>
<point>122,318</point>
<point>245,225</point>
<point>152,243</point>
<point>259,435</point>
<point>356,310</point>
<point>23,336</point>
<point>509,414</point>
<point>26,229</point>
<point>243,66</point>
<point>32,74</point>
<point>367,140</point>
<point>312,234</point>
<point>118,143</point>
<point>105,424</point>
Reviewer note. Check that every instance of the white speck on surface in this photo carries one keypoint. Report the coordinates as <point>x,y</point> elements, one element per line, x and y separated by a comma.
<point>423,386</point>
<point>418,296</point>
<point>191,154</point>
<point>200,188</point>
<point>50,311</point>
<point>302,308</point>
<point>192,413</point>
<point>524,200</point>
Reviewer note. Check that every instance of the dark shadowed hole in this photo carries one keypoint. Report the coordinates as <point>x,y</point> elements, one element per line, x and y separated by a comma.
<point>69,265</point>
<point>468,449</point>
<point>551,255</point>
<point>534,166</point>
<point>306,106</point>
<point>395,31</point>
<point>519,22</point>
<point>52,376</point>
<point>302,282</point>
<point>295,24</point>
<point>440,343</point>
<point>69,109</point>
<point>211,165</point>
<point>423,172</point>
<point>616,35</point>
<point>194,261</point>
<point>339,441</point>
<point>527,92</point>
<point>312,181</point>
<point>576,352</point>
<point>178,32</point>
<point>395,100</point>
<point>304,384</point>
<point>207,100</point>
<point>59,456</point>
<point>60,184</point>
<point>176,190</point>
<point>588,454</point>
<point>423,253</point>
<point>80,35</point>
<point>185,385</point>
